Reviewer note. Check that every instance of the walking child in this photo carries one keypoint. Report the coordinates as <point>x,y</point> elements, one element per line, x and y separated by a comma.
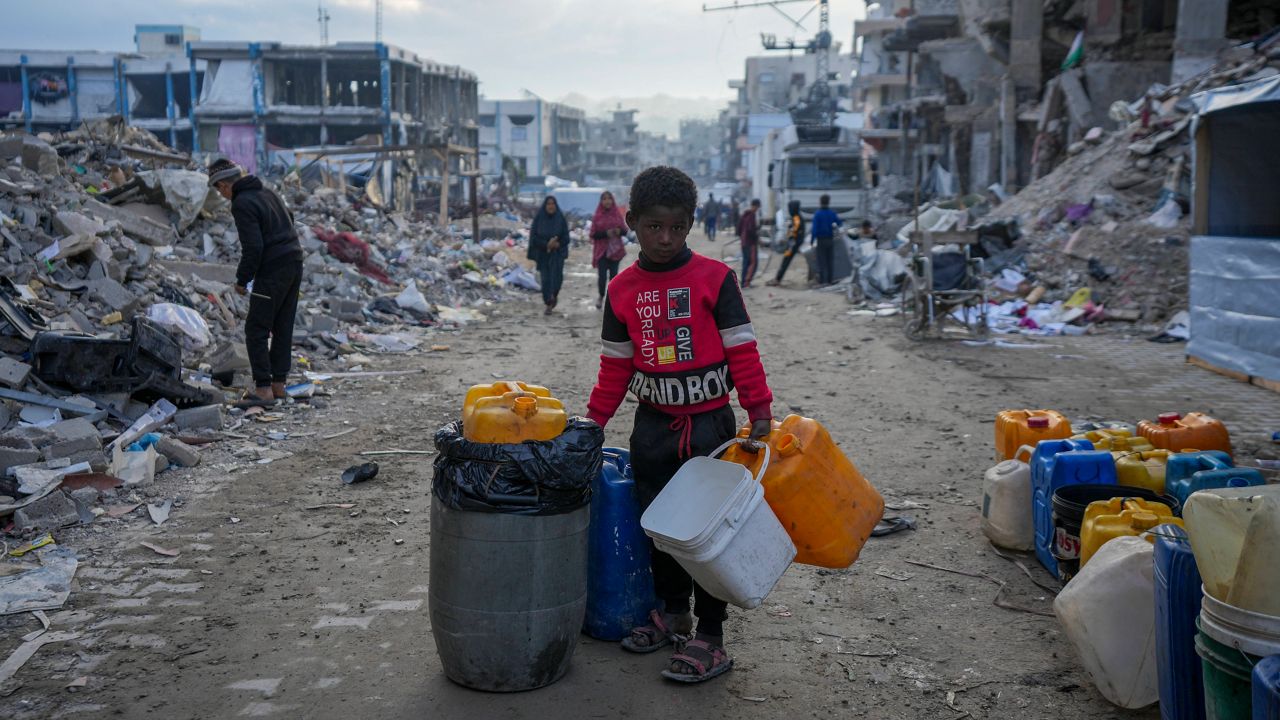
<point>677,335</point>
<point>795,237</point>
<point>749,236</point>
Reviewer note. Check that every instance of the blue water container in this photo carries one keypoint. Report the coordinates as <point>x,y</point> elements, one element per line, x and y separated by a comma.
<point>1190,472</point>
<point>1178,594</point>
<point>1057,463</point>
<point>619,581</point>
<point>1266,689</point>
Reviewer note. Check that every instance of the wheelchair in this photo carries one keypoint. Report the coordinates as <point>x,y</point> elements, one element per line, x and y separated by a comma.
<point>939,285</point>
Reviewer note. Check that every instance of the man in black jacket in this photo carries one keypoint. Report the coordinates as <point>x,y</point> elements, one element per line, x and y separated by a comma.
<point>270,272</point>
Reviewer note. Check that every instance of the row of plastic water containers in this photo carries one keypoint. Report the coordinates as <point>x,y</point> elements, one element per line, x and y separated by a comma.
<point>1100,499</point>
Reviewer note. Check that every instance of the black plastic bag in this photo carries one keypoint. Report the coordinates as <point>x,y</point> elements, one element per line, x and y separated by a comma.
<point>546,477</point>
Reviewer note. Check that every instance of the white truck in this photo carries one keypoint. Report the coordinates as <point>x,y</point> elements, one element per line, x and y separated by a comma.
<point>806,171</point>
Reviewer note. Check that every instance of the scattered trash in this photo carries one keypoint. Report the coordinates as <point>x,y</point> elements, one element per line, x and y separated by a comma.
<point>360,473</point>
<point>30,545</point>
<point>891,525</point>
<point>45,587</point>
<point>159,550</point>
<point>338,506</point>
<point>159,513</point>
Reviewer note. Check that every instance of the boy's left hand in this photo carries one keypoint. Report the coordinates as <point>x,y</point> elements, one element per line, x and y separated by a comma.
<point>761,428</point>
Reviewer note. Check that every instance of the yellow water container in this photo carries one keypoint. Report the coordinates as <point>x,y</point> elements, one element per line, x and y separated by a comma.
<point>1114,439</point>
<point>823,501</point>
<point>1120,517</point>
<point>1142,469</point>
<point>514,417</point>
<point>499,389</point>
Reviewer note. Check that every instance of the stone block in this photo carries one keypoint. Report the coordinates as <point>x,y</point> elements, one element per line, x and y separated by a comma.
<point>323,324</point>
<point>73,436</point>
<point>50,512</point>
<point>74,223</point>
<point>229,357</point>
<point>205,417</point>
<point>10,147</point>
<point>178,452</point>
<point>39,156</point>
<point>347,310</point>
<point>13,374</point>
<point>15,452</point>
<point>138,227</point>
<point>114,295</point>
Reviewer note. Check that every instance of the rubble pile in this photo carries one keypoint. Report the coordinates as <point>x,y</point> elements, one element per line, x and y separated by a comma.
<point>1109,227</point>
<point>120,327</point>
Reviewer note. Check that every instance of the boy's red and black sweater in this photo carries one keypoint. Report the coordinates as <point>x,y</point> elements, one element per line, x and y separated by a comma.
<point>679,338</point>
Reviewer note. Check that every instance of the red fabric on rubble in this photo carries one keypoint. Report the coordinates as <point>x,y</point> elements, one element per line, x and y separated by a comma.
<point>350,249</point>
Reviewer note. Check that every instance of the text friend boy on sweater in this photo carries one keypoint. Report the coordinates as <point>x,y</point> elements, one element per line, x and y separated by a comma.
<point>676,335</point>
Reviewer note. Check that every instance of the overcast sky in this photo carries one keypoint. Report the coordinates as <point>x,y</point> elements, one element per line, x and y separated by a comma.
<point>600,48</point>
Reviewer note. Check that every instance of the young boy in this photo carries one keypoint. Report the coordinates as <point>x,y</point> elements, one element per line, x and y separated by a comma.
<point>676,334</point>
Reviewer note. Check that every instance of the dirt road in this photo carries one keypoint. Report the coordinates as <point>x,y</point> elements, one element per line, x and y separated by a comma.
<point>276,610</point>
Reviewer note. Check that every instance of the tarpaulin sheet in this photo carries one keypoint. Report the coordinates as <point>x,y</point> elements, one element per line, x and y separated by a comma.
<point>1235,304</point>
<point>238,143</point>
<point>1235,263</point>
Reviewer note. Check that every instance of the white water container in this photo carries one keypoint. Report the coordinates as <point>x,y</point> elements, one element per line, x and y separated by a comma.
<point>1006,504</point>
<point>1235,535</point>
<point>1108,611</point>
<point>712,518</point>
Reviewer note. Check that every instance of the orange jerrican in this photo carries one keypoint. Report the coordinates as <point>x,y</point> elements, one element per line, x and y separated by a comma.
<point>522,412</point>
<point>1195,431</point>
<point>1015,428</point>
<point>827,506</point>
<point>1120,517</point>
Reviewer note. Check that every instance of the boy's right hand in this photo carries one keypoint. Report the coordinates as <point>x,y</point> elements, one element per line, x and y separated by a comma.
<point>761,428</point>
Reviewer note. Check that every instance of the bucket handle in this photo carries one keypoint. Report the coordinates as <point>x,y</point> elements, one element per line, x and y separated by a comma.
<point>746,443</point>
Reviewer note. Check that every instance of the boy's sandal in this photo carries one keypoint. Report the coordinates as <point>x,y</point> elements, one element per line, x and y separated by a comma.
<point>648,638</point>
<point>248,401</point>
<point>702,659</point>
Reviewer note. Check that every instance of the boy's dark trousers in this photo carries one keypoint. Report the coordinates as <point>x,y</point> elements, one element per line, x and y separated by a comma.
<point>793,249</point>
<point>660,444</point>
<point>826,257</point>
<point>273,303</point>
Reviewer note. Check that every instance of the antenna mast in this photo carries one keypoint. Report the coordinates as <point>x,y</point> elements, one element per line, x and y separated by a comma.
<point>378,32</point>
<point>323,17</point>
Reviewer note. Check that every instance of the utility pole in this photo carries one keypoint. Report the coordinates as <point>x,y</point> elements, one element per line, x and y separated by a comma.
<point>323,17</point>
<point>378,21</point>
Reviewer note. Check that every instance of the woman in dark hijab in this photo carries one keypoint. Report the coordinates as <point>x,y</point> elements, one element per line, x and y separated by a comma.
<point>548,247</point>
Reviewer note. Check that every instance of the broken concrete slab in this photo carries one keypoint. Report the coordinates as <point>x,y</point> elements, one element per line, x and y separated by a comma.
<point>217,272</point>
<point>73,436</point>
<point>74,223</point>
<point>136,226</point>
<point>229,357</point>
<point>114,295</point>
<point>13,374</point>
<point>178,452</point>
<point>1079,106</point>
<point>347,310</point>
<point>205,417</point>
<point>50,512</point>
<point>15,452</point>
<point>39,156</point>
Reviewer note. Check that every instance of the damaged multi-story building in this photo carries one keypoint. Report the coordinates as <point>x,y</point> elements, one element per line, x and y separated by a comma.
<point>531,138</point>
<point>989,90</point>
<point>152,88</point>
<point>262,97</point>
<point>264,104</point>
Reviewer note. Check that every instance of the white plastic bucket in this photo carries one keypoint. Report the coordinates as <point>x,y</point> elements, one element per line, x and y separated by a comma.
<point>1251,632</point>
<point>712,518</point>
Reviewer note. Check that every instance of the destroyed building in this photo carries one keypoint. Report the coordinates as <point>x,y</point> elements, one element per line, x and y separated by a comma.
<point>538,138</point>
<point>50,90</point>
<point>977,86</point>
